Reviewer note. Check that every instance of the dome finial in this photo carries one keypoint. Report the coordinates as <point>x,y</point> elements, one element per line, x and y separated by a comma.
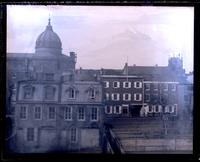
<point>49,23</point>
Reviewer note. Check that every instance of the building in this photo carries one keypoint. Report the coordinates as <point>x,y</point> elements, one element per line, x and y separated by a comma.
<point>51,107</point>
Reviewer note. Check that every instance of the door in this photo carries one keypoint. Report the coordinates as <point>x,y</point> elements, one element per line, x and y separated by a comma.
<point>125,110</point>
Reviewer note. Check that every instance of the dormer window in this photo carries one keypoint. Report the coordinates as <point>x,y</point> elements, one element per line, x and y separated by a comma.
<point>50,92</point>
<point>49,76</point>
<point>72,93</point>
<point>28,92</point>
<point>92,93</point>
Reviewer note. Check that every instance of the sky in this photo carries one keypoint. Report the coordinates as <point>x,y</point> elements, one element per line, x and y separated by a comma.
<point>107,36</point>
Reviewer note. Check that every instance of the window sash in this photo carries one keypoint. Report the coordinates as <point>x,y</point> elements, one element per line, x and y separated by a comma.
<point>73,134</point>
<point>116,84</point>
<point>52,113</point>
<point>68,113</point>
<point>126,84</point>
<point>38,112</point>
<point>92,93</point>
<point>137,84</point>
<point>23,112</point>
<point>137,97</point>
<point>115,96</point>
<point>30,134</point>
<point>81,113</point>
<point>106,84</point>
<point>72,93</point>
<point>117,109</point>
<point>126,96</point>
<point>108,109</point>
<point>94,114</point>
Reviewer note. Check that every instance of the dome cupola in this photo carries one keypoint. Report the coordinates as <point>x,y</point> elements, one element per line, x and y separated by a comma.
<point>48,42</point>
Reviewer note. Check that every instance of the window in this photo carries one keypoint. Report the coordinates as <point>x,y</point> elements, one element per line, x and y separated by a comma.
<point>30,134</point>
<point>147,86</point>
<point>127,84</point>
<point>94,114</point>
<point>175,109</point>
<point>137,84</point>
<point>150,109</point>
<point>72,93</point>
<point>171,109</point>
<point>108,109</point>
<point>49,76</point>
<point>106,84</point>
<point>68,113</point>
<point>137,97</point>
<point>166,109</point>
<point>115,97</point>
<point>81,113</point>
<point>165,87</point>
<point>164,98</point>
<point>126,96</point>
<point>52,113</point>
<point>156,108</point>
<point>49,92</point>
<point>107,96</point>
<point>28,92</point>
<point>155,86</point>
<point>92,93</point>
<point>116,84</point>
<point>23,112</point>
<point>155,98</point>
<point>117,109</point>
<point>147,97</point>
<point>73,135</point>
<point>38,112</point>
<point>173,87</point>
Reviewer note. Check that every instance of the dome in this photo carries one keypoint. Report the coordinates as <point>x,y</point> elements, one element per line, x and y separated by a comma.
<point>48,41</point>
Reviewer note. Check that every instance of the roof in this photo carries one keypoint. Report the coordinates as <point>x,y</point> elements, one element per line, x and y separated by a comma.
<point>154,73</point>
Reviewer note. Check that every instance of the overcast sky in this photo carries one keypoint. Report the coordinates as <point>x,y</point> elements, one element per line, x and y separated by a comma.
<point>107,36</point>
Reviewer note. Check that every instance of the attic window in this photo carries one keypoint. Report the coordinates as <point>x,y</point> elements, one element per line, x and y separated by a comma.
<point>28,92</point>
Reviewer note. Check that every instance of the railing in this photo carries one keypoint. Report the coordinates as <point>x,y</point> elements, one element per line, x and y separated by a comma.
<point>113,143</point>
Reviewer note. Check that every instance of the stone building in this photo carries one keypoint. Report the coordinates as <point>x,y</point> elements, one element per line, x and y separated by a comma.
<point>50,107</point>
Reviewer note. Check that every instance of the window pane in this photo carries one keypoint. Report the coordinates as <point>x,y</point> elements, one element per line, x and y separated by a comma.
<point>52,113</point>
<point>23,112</point>
<point>37,112</point>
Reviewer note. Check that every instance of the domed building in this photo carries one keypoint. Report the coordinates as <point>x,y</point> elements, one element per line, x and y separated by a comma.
<point>48,58</point>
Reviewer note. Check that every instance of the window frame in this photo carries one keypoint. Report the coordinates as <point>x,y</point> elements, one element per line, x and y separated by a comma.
<point>115,109</point>
<point>73,135</point>
<point>118,84</point>
<point>72,94</point>
<point>135,97</point>
<point>49,92</point>
<point>51,112</point>
<point>22,113</point>
<point>125,95</point>
<point>96,114</point>
<point>135,84</point>
<point>70,113</point>
<point>40,112</point>
<point>124,84</point>
<point>113,96</point>
<point>80,114</point>
<point>30,134</point>
<point>110,108</point>
<point>106,84</point>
